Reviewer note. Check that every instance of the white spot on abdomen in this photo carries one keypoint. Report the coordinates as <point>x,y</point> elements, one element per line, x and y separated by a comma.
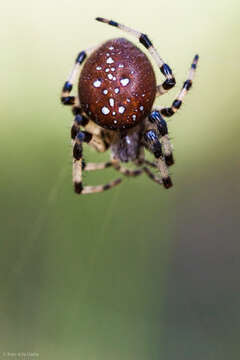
<point>124,82</point>
<point>141,108</point>
<point>99,68</point>
<point>121,109</point>
<point>97,83</point>
<point>110,76</point>
<point>110,61</point>
<point>105,110</point>
<point>116,90</point>
<point>105,91</point>
<point>111,102</point>
<point>121,65</point>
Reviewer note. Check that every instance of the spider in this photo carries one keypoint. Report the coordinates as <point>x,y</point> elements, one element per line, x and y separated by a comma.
<point>116,91</point>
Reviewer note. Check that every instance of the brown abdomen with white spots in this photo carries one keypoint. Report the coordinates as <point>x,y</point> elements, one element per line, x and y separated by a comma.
<point>117,85</point>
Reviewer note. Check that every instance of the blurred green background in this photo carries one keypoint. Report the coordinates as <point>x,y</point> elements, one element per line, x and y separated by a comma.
<point>137,272</point>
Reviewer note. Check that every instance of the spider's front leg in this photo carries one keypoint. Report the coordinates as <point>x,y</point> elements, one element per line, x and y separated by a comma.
<point>153,144</point>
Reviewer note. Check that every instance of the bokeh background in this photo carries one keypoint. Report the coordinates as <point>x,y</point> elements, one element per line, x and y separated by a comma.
<point>135,273</point>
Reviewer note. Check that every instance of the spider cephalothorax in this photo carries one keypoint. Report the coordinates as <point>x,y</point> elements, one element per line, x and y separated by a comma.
<point>116,92</point>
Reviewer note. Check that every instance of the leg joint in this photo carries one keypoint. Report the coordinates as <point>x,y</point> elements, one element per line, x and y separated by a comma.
<point>84,136</point>
<point>145,41</point>
<point>81,57</point>
<point>68,100</point>
<point>166,70</point>
<point>77,151</point>
<point>169,83</point>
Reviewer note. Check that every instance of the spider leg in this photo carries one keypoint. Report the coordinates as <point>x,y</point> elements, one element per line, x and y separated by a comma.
<point>84,136</point>
<point>116,165</point>
<point>100,188</point>
<point>152,176</point>
<point>169,111</point>
<point>97,139</point>
<point>150,163</point>
<point>97,166</point>
<point>141,159</point>
<point>123,170</point>
<point>153,144</point>
<point>66,99</point>
<point>156,118</point>
<point>93,136</point>
<point>146,42</point>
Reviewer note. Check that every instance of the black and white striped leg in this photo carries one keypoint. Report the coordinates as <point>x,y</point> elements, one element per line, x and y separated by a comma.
<point>97,166</point>
<point>169,111</point>
<point>150,163</point>
<point>152,176</point>
<point>115,165</point>
<point>146,42</point>
<point>66,99</point>
<point>156,118</point>
<point>153,144</point>
<point>101,188</point>
<point>78,166</point>
<point>141,159</point>
<point>79,120</point>
<point>126,172</point>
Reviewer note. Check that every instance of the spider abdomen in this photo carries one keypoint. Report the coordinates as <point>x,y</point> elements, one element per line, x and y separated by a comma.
<point>117,85</point>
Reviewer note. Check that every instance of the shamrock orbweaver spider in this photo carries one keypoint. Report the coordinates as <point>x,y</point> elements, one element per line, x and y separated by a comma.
<point>116,91</point>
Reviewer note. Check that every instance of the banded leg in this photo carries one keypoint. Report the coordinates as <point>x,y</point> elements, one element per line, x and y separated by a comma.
<point>66,99</point>
<point>152,176</point>
<point>169,111</point>
<point>97,166</point>
<point>123,170</point>
<point>97,142</point>
<point>146,42</point>
<point>154,145</point>
<point>150,163</point>
<point>79,120</point>
<point>156,118</point>
<point>100,188</point>
<point>141,159</point>
<point>116,166</point>
<point>81,137</point>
